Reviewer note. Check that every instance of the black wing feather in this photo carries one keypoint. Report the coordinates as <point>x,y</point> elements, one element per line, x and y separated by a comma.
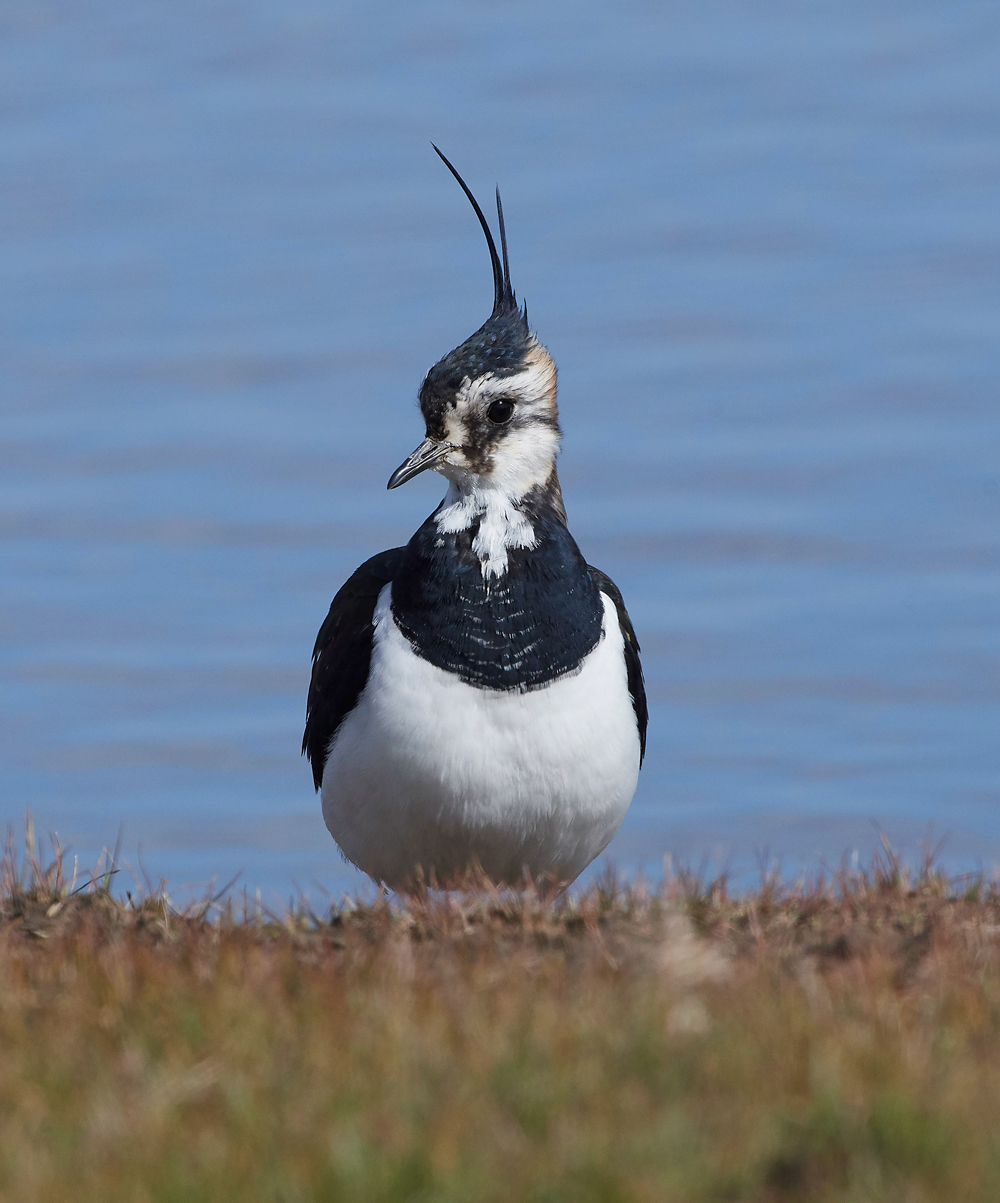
<point>636,686</point>
<point>342,656</point>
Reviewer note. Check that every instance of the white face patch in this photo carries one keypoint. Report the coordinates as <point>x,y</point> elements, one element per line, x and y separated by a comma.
<point>521,459</point>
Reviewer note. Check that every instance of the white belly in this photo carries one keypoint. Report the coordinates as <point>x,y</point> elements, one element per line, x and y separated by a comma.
<point>428,775</point>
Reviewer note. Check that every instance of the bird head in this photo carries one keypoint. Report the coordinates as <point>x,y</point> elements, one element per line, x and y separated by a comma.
<point>490,405</point>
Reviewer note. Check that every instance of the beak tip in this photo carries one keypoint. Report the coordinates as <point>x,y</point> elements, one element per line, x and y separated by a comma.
<point>400,476</point>
<point>425,456</point>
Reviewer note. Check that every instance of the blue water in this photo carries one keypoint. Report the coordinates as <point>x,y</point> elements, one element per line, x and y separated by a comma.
<point>762,242</point>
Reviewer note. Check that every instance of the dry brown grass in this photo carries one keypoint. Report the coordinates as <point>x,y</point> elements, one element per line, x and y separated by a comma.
<point>835,1042</point>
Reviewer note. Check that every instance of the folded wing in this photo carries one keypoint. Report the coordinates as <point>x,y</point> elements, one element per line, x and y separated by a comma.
<point>342,656</point>
<point>636,686</point>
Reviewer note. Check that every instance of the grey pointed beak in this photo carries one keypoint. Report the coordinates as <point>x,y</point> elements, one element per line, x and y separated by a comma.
<point>425,456</point>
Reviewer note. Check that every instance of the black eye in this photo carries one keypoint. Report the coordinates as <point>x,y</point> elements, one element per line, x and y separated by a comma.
<point>501,410</point>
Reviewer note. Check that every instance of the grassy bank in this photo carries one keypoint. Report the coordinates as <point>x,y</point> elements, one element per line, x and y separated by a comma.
<point>840,1042</point>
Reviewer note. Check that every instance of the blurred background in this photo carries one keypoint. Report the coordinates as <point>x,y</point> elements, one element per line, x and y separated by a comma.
<point>761,240</point>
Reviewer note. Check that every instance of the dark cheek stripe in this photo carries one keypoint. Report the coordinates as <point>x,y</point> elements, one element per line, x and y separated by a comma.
<point>484,439</point>
<point>518,631</point>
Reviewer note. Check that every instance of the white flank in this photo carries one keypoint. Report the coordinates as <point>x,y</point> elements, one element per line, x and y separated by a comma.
<point>429,772</point>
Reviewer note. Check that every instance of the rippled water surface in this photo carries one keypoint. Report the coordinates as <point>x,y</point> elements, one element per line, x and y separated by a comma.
<point>762,242</point>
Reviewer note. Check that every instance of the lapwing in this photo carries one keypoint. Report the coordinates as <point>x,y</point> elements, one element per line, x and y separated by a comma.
<point>477,701</point>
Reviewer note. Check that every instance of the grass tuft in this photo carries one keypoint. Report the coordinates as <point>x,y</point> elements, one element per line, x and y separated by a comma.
<point>830,1040</point>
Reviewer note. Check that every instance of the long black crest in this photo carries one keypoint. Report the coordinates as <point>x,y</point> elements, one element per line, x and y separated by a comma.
<point>504,300</point>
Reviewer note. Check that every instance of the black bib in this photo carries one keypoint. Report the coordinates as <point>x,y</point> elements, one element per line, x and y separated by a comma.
<point>517,631</point>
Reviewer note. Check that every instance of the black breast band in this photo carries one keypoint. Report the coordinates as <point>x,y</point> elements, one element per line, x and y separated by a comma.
<point>520,630</point>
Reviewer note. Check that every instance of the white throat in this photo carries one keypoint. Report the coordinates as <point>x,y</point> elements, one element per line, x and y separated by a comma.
<point>502,524</point>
